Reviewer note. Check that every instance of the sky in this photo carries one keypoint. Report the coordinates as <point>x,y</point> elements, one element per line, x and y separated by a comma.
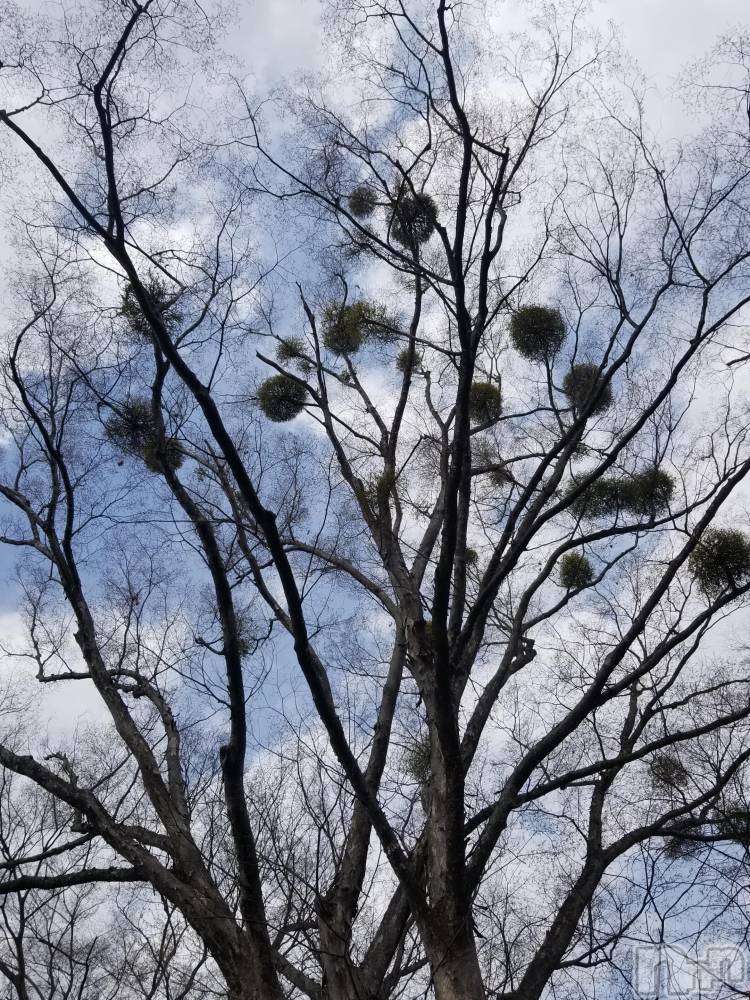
<point>662,34</point>
<point>280,37</point>
<point>277,37</point>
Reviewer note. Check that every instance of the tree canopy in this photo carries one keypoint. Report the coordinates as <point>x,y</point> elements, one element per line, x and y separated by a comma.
<point>373,491</point>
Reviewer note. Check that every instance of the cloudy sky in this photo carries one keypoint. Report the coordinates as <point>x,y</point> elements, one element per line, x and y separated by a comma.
<point>275,38</point>
<point>279,36</point>
<point>662,34</point>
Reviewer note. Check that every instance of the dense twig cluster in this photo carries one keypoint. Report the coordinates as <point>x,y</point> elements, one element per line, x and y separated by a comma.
<point>282,398</point>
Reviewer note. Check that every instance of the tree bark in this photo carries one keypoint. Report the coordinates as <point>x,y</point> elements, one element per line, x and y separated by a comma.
<point>250,981</point>
<point>455,967</point>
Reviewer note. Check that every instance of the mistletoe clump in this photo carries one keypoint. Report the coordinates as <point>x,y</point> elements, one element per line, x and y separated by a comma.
<point>377,491</point>
<point>645,493</point>
<point>485,402</point>
<point>721,560</point>
<point>602,498</point>
<point>402,359</point>
<point>576,571</point>
<point>500,475</point>
<point>161,300</point>
<point>133,430</point>
<point>580,384</point>
<point>537,332</point>
<point>131,425</point>
<point>293,351</point>
<point>281,398</point>
<point>734,824</point>
<point>679,843</point>
<point>417,759</point>
<point>290,349</point>
<point>649,492</point>
<point>362,201</point>
<point>346,328</point>
<point>667,769</point>
<point>157,454</point>
<point>414,219</point>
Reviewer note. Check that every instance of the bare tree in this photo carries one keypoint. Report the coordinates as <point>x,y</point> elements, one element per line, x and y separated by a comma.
<point>417,697</point>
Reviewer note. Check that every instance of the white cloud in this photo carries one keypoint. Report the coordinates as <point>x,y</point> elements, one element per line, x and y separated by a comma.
<point>277,37</point>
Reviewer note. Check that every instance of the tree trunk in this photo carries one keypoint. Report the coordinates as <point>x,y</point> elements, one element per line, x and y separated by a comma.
<point>561,931</point>
<point>338,973</point>
<point>455,967</point>
<point>254,991</point>
<point>247,980</point>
